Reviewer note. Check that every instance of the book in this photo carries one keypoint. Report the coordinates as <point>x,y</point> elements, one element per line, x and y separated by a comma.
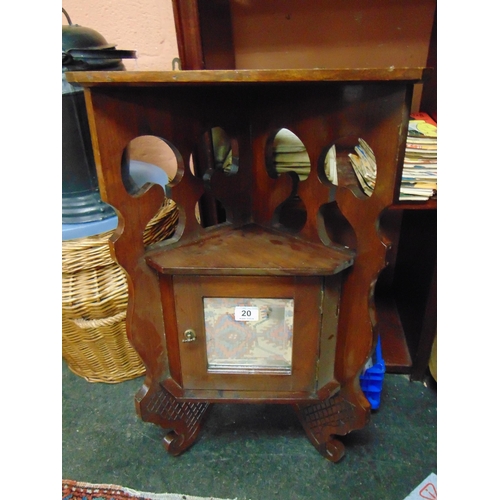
<point>286,141</point>
<point>410,146</point>
<point>290,155</point>
<point>421,124</point>
<point>419,177</point>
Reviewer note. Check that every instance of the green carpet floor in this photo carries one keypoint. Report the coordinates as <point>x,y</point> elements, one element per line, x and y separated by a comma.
<point>257,452</point>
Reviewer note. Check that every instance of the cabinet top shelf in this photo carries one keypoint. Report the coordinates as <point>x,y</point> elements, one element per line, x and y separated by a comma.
<point>202,77</point>
<point>251,250</point>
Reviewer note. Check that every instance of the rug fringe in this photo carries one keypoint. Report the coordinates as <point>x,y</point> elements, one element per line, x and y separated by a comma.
<point>71,490</point>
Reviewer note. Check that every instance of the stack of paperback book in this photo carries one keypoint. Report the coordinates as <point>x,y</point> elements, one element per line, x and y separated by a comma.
<point>419,178</point>
<point>290,155</point>
<point>365,166</point>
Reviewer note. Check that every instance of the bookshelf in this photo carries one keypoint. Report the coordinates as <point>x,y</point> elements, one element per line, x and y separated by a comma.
<point>229,34</point>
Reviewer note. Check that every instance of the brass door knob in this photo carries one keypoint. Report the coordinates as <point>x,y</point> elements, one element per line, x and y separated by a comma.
<point>189,336</point>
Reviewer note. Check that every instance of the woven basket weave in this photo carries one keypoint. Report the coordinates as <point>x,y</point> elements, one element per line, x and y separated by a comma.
<point>94,304</point>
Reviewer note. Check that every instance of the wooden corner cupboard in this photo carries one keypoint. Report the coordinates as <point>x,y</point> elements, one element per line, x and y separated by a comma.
<point>257,309</point>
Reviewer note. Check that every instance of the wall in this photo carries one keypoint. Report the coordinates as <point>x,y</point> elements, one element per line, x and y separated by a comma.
<point>146,26</point>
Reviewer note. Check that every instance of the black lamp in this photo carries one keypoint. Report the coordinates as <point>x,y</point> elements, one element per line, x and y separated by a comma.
<point>83,49</point>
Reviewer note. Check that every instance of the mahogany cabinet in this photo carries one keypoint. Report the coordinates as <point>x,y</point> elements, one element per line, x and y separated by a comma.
<point>253,309</point>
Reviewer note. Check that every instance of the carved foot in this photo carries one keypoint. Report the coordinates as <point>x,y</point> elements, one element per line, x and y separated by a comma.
<point>332,450</point>
<point>183,419</point>
<point>321,421</point>
<point>175,443</point>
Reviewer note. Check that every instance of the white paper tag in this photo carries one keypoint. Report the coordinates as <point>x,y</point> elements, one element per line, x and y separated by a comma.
<point>248,313</point>
<point>426,489</point>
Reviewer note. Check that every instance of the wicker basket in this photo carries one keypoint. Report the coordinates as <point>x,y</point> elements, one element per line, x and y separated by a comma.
<point>94,303</point>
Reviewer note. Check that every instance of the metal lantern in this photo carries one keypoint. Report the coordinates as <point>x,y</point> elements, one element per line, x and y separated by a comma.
<point>83,49</point>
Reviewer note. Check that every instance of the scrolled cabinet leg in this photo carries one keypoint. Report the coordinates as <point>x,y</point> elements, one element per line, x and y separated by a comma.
<point>332,450</point>
<point>323,421</point>
<point>182,419</point>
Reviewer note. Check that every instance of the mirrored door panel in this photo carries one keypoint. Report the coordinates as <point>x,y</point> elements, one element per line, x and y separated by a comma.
<point>248,335</point>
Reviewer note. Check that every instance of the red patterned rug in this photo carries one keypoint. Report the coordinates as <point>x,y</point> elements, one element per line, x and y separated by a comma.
<point>74,490</point>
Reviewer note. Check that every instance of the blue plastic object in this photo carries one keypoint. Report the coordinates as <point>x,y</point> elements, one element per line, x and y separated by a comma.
<point>372,379</point>
<point>141,173</point>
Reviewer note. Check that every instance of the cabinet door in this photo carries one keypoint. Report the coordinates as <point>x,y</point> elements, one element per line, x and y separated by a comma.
<point>248,333</point>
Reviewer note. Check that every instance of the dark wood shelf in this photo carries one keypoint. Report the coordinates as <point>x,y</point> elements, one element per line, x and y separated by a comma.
<point>254,76</point>
<point>430,204</point>
<point>406,292</point>
<point>251,250</point>
<point>394,347</point>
